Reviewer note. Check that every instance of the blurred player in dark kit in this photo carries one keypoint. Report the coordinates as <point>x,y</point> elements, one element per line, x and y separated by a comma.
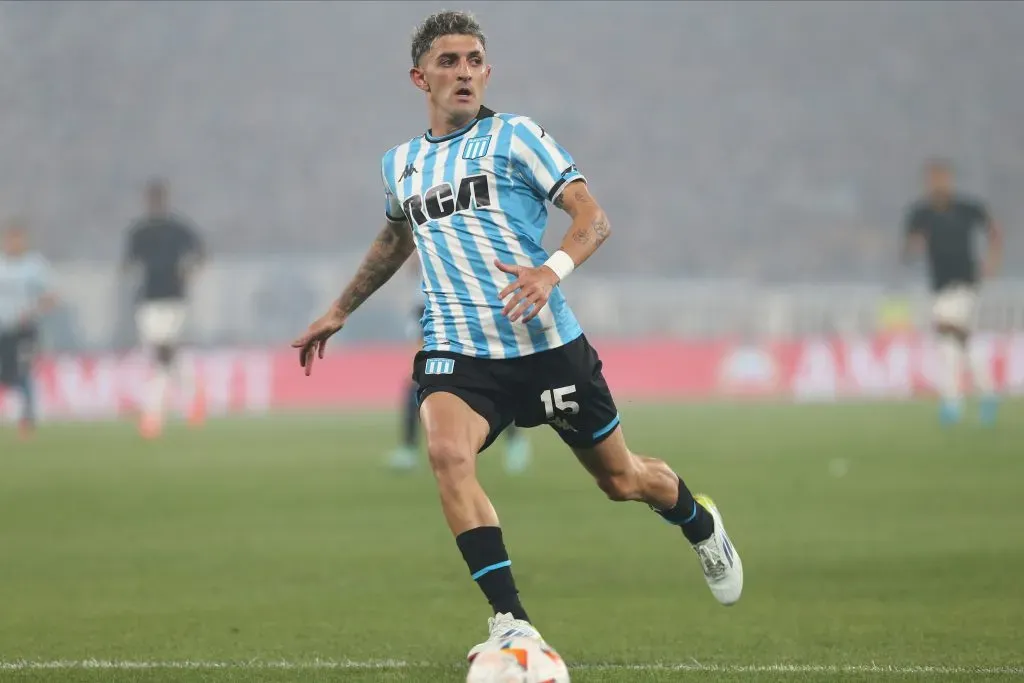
<point>166,251</point>
<point>943,224</point>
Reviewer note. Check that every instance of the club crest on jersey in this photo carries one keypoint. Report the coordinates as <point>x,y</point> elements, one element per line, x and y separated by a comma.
<point>476,147</point>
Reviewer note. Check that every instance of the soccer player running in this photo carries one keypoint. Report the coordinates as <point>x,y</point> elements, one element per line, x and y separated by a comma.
<point>943,224</point>
<point>26,293</point>
<point>405,456</point>
<point>167,249</point>
<point>500,342</point>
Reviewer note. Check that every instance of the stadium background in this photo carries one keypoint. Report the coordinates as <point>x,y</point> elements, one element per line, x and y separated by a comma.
<point>755,160</point>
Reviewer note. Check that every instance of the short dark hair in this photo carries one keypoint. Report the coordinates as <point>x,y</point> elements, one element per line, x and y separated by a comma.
<point>444,23</point>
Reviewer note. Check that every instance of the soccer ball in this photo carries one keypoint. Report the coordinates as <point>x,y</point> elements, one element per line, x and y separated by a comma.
<point>518,660</point>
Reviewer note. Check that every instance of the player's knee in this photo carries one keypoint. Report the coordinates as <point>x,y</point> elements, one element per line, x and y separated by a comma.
<point>622,484</point>
<point>165,355</point>
<point>450,457</point>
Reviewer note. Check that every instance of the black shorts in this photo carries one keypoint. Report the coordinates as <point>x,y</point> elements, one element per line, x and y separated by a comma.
<point>17,352</point>
<point>562,387</point>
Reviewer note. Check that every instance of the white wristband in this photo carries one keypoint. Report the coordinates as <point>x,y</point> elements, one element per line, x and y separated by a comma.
<point>561,263</point>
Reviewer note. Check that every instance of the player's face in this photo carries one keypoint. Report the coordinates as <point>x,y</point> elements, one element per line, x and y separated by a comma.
<point>940,181</point>
<point>15,242</point>
<point>454,74</point>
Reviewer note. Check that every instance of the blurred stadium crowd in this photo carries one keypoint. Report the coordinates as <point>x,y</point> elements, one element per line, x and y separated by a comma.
<point>767,141</point>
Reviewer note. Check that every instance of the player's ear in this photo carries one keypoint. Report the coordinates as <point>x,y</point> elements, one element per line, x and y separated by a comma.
<point>419,79</point>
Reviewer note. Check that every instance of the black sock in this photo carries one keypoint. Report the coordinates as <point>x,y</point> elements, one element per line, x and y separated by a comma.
<point>696,522</point>
<point>410,418</point>
<point>485,554</point>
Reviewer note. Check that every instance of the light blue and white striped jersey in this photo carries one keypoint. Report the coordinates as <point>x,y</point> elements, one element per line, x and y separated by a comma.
<point>23,281</point>
<point>474,195</point>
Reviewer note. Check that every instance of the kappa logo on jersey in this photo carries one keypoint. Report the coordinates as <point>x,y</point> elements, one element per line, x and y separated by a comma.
<point>476,147</point>
<point>442,201</point>
<point>562,424</point>
<point>407,173</point>
<point>439,366</point>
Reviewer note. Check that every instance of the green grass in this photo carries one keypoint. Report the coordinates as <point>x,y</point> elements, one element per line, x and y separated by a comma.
<point>285,539</point>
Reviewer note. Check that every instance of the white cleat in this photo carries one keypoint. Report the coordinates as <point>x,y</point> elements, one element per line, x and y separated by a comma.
<point>503,627</point>
<point>719,559</point>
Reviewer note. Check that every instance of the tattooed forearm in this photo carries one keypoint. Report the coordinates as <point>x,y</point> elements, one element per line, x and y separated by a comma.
<point>590,226</point>
<point>597,231</point>
<point>602,228</point>
<point>388,252</point>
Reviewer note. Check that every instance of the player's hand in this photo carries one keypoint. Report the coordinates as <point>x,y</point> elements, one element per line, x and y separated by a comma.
<point>529,291</point>
<point>311,344</point>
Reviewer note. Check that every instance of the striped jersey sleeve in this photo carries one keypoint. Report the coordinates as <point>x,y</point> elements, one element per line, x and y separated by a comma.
<point>545,165</point>
<point>392,207</point>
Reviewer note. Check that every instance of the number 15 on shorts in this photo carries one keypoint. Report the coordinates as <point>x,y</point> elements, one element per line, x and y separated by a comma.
<point>554,399</point>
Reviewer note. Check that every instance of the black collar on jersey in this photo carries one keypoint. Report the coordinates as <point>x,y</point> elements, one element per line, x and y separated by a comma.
<point>484,113</point>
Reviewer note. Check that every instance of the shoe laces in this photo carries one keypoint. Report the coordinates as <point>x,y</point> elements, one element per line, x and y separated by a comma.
<point>499,623</point>
<point>711,560</point>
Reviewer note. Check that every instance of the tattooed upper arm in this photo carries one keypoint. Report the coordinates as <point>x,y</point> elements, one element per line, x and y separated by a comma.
<point>575,196</point>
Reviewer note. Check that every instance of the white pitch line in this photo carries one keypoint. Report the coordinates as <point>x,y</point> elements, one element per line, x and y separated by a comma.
<point>893,669</point>
<point>371,665</point>
<point>240,665</point>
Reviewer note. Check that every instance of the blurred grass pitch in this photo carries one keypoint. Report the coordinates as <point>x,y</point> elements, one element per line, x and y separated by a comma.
<point>876,546</point>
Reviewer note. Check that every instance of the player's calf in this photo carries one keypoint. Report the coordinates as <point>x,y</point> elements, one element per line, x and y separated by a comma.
<point>652,481</point>
<point>625,476</point>
<point>952,348</point>
<point>151,424</point>
<point>955,348</point>
<point>454,434</point>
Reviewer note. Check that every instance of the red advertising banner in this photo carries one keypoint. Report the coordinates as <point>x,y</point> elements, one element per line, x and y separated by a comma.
<point>370,377</point>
